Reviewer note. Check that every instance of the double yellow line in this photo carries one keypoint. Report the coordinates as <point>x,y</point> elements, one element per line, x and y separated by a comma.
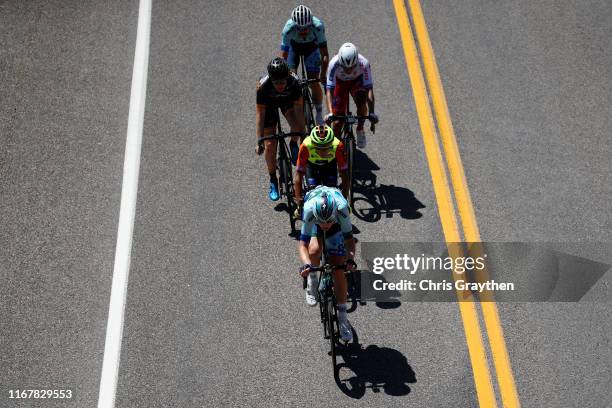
<point>446,208</point>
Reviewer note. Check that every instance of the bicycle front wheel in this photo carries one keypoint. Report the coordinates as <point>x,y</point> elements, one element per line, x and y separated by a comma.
<point>350,158</point>
<point>332,327</point>
<point>287,181</point>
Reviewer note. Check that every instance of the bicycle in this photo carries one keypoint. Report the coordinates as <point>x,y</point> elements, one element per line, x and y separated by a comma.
<point>304,83</point>
<point>327,300</point>
<point>348,138</point>
<point>285,172</point>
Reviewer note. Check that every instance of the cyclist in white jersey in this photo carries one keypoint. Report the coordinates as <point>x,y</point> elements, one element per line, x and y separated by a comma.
<point>350,72</point>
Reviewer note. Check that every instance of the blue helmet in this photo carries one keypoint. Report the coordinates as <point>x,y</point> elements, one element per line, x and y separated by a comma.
<point>324,209</point>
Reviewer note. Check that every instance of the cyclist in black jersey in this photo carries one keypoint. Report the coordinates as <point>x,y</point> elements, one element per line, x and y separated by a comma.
<point>277,90</point>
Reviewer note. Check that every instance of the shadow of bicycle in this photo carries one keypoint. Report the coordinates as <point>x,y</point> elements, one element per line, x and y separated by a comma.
<point>376,368</point>
<point>372,201</point>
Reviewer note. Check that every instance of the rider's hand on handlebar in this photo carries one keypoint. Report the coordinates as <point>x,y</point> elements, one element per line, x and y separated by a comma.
<point>305,270</point>
<point>351,265</point>
<point>327,118</point>
<point>260,148</point>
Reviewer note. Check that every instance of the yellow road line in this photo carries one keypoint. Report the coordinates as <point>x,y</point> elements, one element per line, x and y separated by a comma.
<point>499,351</point>
<point>482,377</point>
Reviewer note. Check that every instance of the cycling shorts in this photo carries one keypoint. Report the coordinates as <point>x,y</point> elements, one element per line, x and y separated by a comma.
<point>272,118</point>
<point>322,175</point>
<point>312,61</point>
<point>341,91</point>
<point>334,241</point>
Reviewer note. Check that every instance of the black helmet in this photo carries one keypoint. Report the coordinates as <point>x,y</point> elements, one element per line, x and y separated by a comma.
<point>278,69</point>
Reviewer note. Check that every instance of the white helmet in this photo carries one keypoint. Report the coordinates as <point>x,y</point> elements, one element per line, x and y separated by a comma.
<point>348,55</point>
<point>301,16</point>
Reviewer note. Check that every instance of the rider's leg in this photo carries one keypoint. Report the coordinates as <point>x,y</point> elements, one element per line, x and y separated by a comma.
<point>292,60</point>
<point>295,118</point>
<point>340,290</point>
<point>313,69</point>
<point>312,287</point>
<point>270,156</point>
<point>360,98</point>
<point>340,285</point>
<point>339,102</point>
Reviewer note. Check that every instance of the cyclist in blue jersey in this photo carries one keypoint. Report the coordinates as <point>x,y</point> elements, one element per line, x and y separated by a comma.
<point>304,34</point>
<point>326,210</point>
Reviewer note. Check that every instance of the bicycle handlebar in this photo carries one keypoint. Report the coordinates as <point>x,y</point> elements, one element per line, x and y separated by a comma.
<point>282,135</point>
<point>321,269</point>
<point>352,119</point>
<point>308,81</point>
<point>343,117</point>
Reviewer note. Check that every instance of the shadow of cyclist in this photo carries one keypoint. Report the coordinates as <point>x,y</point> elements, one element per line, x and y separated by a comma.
<point>372,201</point>
<point>375,368</point>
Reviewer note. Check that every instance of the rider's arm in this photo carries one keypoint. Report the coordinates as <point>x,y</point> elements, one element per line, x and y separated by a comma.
<point>301,164</point>
<point>303,252</point>
<point>349,244</point>
<point>285,41</point>
<point>371,100</point>
<point>368,83</point>
<point>330,83</point>
<point>328,98</point>
<point>324,63</point>
<point>305,235</point>
<point>259,121</point>
<point>342,168</point>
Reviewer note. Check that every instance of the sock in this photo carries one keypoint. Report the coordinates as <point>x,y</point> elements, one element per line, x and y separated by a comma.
<point>273,178</point>
<point>293,145</point>
<point>342,311</point>
<point>360,123</point>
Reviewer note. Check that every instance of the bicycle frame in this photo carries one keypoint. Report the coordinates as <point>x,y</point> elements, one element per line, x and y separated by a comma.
<point>285,171</point>
<point>307,95</point>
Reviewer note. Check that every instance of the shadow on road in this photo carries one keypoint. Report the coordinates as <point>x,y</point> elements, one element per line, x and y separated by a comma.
<point>376,368</point>
<point>372,201</point>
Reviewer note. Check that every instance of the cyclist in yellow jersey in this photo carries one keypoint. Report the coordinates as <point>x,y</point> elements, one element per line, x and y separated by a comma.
<point>320,158</point>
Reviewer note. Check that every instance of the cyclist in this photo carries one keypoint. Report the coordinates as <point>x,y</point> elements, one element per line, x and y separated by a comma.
<point>326,210</point>
<point>350,72</point>
<point>320,159</point>
<point>304,34</point>
<point>278,89</point>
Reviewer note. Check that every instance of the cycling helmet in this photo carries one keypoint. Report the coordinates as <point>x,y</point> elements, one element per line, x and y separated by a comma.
<point>324,209</point>
<point>348,55</point>
<point>301,16</point>
<point>322,135</point>
<point>278,69</point>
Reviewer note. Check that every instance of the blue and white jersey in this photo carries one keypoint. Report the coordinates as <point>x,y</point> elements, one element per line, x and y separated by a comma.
<point>343,217</point>
<point>303,41</point>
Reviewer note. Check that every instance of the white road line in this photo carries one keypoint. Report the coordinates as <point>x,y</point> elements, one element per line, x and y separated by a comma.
<point>131,166</point>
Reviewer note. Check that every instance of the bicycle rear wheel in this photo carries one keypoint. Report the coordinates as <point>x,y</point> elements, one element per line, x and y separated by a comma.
<point>308,116</point>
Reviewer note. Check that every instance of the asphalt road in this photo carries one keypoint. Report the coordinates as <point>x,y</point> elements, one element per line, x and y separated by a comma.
<point>215,315</point>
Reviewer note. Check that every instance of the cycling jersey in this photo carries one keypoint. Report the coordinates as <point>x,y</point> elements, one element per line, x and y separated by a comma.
<point>310,154</point>
<point>268,95</point>
<point>335,72</point>
<point>303,42</point>
<point>343,218</point>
